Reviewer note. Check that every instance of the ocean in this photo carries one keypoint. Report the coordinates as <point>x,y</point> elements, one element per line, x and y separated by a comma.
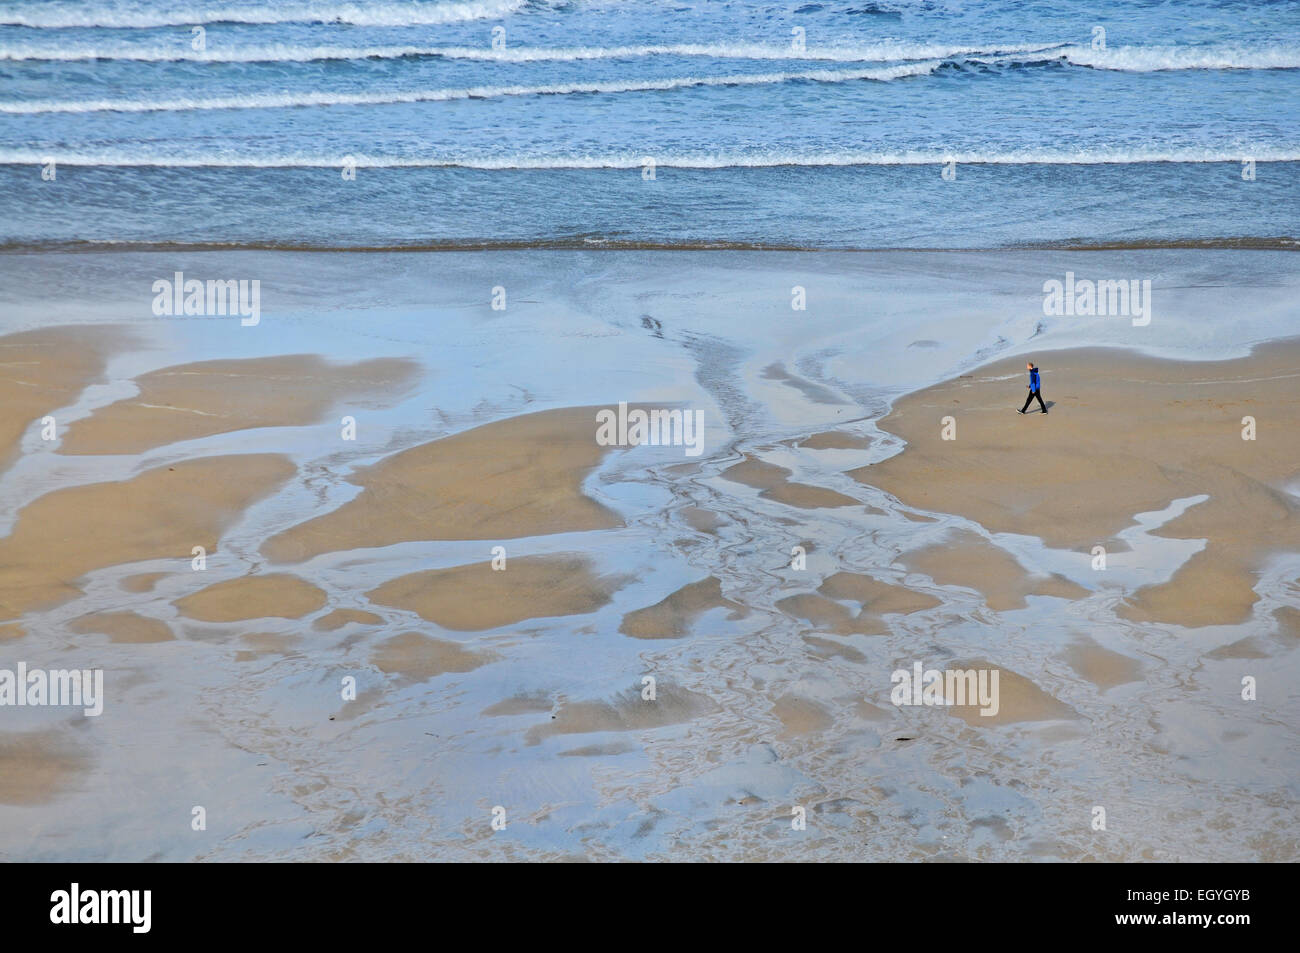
<point>827,230</point>
<point>647,123</point>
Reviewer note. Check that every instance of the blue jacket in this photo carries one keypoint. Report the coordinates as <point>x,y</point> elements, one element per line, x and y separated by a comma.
<point>1033,379</point>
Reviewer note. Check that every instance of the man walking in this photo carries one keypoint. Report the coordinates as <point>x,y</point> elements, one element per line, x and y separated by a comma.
<point>1034,390</point>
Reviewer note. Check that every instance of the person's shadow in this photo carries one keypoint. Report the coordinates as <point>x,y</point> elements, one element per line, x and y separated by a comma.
<point>1050,404</point>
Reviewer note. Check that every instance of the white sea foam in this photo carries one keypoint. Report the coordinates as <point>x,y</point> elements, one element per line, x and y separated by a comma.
<point>1149,59</point>
<point>287,100</point>
<point>1154,59</point>
<point>1123,59</point>
<point>885,51</point>
<point>358,14</point>
<point>1098,156</point>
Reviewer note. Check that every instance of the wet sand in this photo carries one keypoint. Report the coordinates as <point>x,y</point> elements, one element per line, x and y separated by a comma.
<point>969,561</point>
<point>163,513</point>
<point>124,627</point>
<point>876,596</point>
<point>1019,699</point>
<point>420,657</point>
<point>1102,667</point>
<point>825,608</point>
<point>516,477</point>
<point>475,597</point>
<point>343,617</point>
<point>213,397</point>
<point>253,597</point>
<point>1125,435</point>
<point>672,617</point>
<point>524,686</point>
<point>772,481</point>
<point>627,711</point>
<point>36,765</point>
<point>43,371</point>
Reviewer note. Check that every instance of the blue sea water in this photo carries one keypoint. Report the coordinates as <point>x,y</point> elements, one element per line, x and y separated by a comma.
<point>649,122</point>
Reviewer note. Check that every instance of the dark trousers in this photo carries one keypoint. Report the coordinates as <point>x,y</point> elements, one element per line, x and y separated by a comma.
<point>1032,395</point>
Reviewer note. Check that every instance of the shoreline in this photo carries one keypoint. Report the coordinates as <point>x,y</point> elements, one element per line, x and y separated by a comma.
<point>476,430</point>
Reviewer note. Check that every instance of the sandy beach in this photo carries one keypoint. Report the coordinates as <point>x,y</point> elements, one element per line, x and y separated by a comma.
<point>1128,436</point>
<point>638,653</point>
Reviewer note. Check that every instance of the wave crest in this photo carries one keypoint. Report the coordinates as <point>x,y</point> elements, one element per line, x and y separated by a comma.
<point>1132,59</point>
<point>626,161</point>
<point>356,14</point>
<point>290,100</point>
<point>881,52</point>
